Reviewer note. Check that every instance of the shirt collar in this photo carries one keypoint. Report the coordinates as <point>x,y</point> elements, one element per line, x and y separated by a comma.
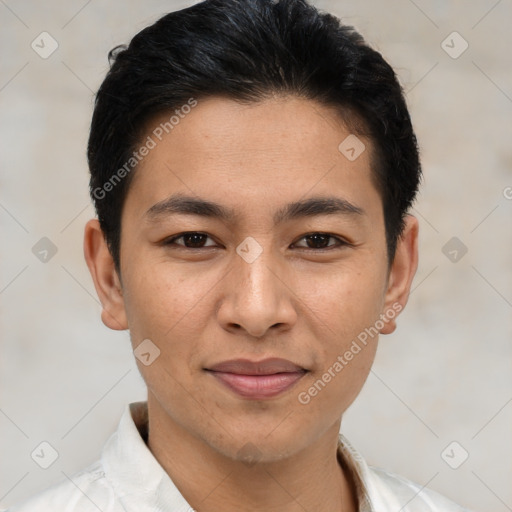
<point>358,471</point>
<point>141,484</point>
<point>139,481</point>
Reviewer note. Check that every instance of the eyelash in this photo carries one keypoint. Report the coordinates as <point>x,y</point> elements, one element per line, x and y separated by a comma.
<point>341,242</point>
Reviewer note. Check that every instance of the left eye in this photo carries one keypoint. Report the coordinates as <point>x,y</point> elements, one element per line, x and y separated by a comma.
<point>196,240</point>
<point>322,240</point>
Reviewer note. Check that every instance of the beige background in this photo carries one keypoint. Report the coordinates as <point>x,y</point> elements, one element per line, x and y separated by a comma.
<point>445,375</point>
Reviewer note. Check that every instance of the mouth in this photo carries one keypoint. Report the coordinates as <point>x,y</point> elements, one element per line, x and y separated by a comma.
<point>257,380</point>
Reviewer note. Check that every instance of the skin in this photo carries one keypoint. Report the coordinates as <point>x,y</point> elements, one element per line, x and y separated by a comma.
<point>297,300</point>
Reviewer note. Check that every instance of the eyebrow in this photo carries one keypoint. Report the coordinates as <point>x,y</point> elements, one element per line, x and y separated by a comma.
<point>189,205</point>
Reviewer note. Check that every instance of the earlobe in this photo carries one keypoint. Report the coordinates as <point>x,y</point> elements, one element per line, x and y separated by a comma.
<point>403,270</point>
<point>105,278</point>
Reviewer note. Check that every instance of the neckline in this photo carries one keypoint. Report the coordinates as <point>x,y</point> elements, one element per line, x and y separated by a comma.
<point>351,462</point>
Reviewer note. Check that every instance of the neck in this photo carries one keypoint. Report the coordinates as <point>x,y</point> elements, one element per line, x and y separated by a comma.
<point>312,479</point>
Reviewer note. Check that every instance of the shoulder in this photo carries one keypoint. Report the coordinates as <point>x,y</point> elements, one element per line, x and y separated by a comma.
<point>393,490</point>
<point>86,491</point>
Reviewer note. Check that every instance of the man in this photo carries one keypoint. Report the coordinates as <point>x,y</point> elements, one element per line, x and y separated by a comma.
<point>252,167</point>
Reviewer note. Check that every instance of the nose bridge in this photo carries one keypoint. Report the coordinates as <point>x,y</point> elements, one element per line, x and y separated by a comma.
<point>257,259</point>
<point>256,299</point>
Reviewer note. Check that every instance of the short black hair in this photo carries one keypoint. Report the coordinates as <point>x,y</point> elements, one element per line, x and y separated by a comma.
<point>249,50</point>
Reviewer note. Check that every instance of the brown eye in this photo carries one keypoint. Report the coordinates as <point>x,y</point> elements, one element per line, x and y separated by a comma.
<point>192,240</point>
<point>320,241</point>
<point>314,241</point>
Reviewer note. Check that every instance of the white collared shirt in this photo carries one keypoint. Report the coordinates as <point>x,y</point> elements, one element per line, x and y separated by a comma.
<point>128,478</point>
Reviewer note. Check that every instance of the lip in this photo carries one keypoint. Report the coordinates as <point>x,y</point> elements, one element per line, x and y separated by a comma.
<point>257,379</point>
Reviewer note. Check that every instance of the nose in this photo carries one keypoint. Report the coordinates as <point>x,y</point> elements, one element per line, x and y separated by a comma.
<point>258,296</point>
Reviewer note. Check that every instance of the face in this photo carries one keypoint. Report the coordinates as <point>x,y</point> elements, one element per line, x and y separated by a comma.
<point>262,281</point>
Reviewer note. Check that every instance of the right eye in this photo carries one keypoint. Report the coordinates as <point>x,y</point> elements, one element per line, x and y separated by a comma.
<point>191,240</point>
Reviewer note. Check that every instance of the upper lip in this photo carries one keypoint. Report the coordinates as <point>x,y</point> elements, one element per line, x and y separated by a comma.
<point>265,367</point>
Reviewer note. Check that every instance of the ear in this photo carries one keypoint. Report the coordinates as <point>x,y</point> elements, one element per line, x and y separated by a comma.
<point>401,274</point>
<point>106,281</point>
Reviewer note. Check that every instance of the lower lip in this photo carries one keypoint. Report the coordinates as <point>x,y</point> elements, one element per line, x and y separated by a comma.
<point>258,386</point>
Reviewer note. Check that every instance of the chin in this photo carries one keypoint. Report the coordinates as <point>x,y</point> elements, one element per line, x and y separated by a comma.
<point>262,446</point>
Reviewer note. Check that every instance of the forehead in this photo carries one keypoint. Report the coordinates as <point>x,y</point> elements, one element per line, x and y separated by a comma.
<point>251,154</point>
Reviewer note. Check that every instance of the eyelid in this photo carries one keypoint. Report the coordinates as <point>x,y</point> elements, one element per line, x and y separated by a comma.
<point>341,241</point>
<point>171,240</point>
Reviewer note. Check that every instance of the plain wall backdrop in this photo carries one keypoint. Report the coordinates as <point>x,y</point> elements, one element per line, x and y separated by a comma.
<point>444,376</point>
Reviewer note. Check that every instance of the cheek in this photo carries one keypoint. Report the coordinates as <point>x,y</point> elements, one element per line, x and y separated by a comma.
<point>166,308</point>
<point>343,300</point>
<point>331,391</point>
<point>342,314</point>
<point>343,309</point>
<point>161,299</point>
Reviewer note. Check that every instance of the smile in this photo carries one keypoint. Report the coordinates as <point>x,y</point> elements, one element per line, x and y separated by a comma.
<point>257,380</point>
